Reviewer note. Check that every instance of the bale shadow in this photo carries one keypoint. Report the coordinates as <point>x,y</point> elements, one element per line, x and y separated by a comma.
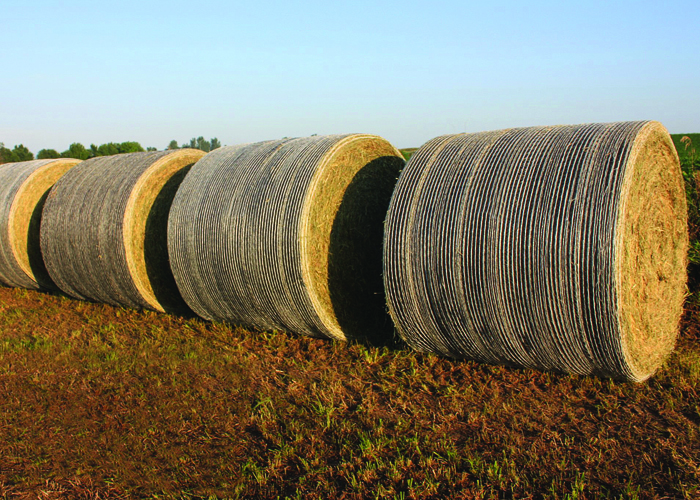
<point>355,261</point>
<point>36,258</point>
<point>156,249</point>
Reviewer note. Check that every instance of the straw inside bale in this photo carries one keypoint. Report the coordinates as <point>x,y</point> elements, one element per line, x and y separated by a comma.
<point>342,226</point>
<point>287,235</point>
<point>651,245</point>
<point>25,186</point>
<point>104,229</point>
<point>558,248</point>
<point>145,227</point>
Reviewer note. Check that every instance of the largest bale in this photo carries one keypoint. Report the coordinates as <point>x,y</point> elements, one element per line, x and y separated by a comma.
<point>559,248</point>
<point>286,235</point>
<point>103,233</point>
<point>24,187</point>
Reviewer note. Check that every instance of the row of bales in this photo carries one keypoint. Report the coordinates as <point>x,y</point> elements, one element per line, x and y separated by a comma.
<point>558,248</point>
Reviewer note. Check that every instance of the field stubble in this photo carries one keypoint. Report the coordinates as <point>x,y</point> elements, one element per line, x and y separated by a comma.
<point>103,402</point>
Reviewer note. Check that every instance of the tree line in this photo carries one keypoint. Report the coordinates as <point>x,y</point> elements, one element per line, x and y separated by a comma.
<point>80,152</point>
<point>198,143</point>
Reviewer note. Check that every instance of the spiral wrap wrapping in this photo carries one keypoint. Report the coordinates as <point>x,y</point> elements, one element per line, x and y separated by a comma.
<point>103,233</point>
<point>558,248</point>
<point>252,234</point>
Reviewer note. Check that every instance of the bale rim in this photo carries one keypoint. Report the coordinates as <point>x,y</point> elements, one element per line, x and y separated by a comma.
<point>651,249</point>
<point>161,179</point>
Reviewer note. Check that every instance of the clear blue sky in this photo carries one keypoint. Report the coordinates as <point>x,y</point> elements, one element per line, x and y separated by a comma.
<point>96,72</point>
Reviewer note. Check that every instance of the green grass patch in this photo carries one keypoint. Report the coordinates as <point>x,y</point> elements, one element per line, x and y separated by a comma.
<point>408,152</point>
<point>688,149</point>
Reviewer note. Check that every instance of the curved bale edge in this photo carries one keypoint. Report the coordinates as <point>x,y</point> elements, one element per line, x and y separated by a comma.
<point>104,231</point>
<point>558,248</point>
<point>24,187</point>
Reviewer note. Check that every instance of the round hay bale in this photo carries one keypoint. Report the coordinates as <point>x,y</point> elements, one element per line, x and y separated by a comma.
<point>24,187</point>
<point>103,233</point>
<point>286,235</point>
<point>558,248</point>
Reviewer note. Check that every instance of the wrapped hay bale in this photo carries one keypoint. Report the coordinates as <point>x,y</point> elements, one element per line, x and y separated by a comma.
<point>287,235</point>
<point>559,248</point>
<point>24,187</point>
<point>103,233</point>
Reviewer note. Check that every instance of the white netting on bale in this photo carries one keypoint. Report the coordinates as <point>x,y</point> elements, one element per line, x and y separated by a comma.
<point>103,232</point>
<point>559,248</point>
<point>24,187</point>
<point>287,235</point>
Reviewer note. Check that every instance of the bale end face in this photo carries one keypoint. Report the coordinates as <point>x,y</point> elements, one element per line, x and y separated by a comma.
<point>651,248</point>
<point>145,233</point>
<point>341,236</point>
<point>25,219</point>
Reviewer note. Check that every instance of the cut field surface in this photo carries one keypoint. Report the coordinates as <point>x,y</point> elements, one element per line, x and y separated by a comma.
<point>103,402</point>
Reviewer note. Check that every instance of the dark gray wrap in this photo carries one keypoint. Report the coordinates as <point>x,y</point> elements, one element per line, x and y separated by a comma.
<point>82,228</point>
<point>499,247</point>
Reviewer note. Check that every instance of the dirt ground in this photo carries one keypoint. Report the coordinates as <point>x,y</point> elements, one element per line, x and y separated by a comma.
<point>103,402</point>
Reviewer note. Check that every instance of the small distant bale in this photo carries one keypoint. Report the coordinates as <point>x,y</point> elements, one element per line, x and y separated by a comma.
<point>24,187</point>
<point>286,235</point>
<point>103,233</point>
<point>559,248</point>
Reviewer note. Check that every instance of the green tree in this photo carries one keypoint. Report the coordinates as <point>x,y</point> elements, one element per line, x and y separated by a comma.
<point>108,149</point>
<point>203,145</point>
<point>173,145</point>
<point>46,154</point>
<point>21,153</point>
<point>130,147</point>
<point>5,154</point>
<point>77,151</point>
<point>199,143</point>
<point>150,148</point>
